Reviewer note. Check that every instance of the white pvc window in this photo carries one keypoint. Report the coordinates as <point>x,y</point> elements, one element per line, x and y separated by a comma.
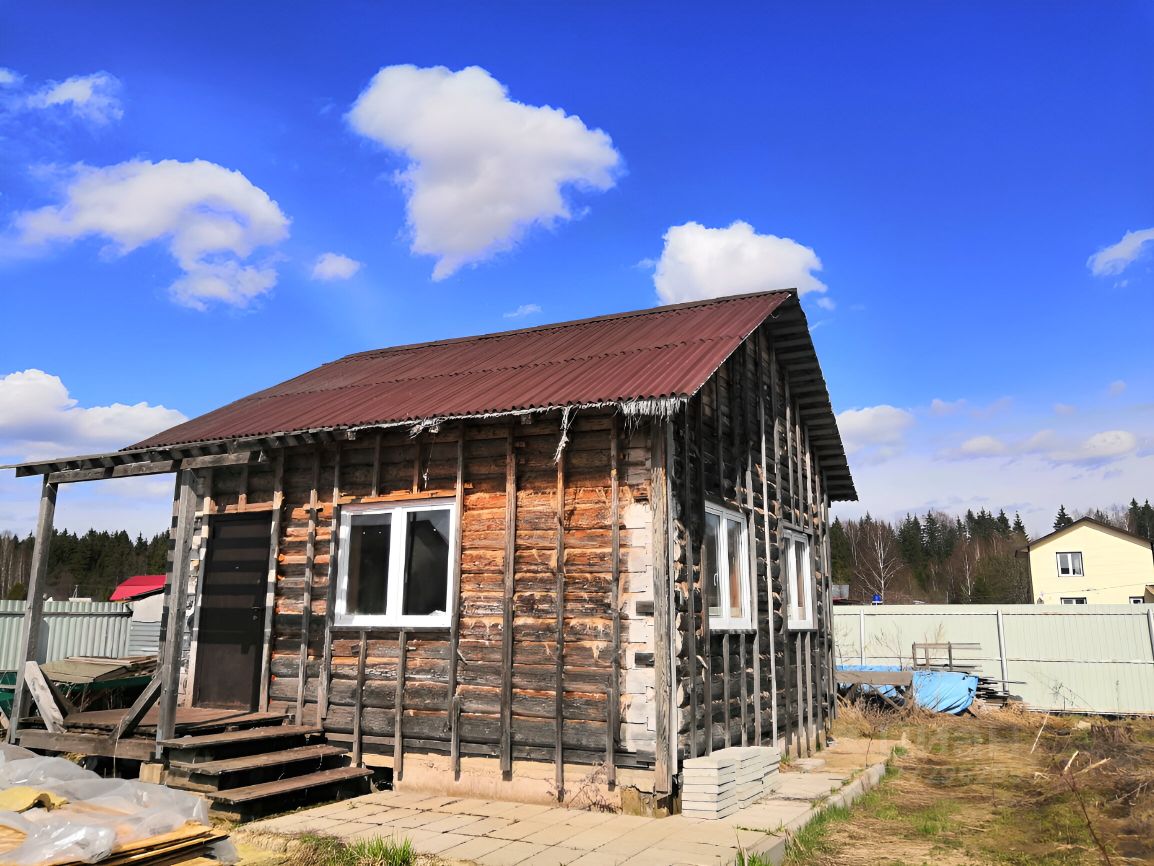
<point>797,574</point>
<point>1081,599</point>
<point>726,569</point>
<point>394,564</point>
<point>1070,565</point>
<point>1137,599</point>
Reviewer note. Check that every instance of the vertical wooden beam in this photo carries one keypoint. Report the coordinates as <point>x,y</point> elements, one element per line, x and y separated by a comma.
<point>725,695</point>
<point>764,471</point>
<point>331,594</point>
<point>559,604</point>
<point>177,599</point>
<point>33,603</point>
<point>662,612</point>
<point>358,706</point>
<point>455,609</point>
<point>270,591</point>
<point>307,591</point>
<point>688,521</point>
<point>399,707</point>
<point>776,398</point>
<point>706,635</point>
<point>743,662</point>
<point>507,605</point>
<point>242,496</point>
<point>376,490</point>
<point>613,710</point>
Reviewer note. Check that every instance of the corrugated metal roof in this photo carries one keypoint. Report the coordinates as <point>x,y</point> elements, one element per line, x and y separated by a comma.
<point>663,352</point>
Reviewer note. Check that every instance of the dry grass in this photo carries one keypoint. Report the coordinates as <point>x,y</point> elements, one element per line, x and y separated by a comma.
<point>970,791</point>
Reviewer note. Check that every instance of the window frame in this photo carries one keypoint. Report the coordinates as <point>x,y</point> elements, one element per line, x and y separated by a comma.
<point>1137,599</point>
<point>398,555</point>
<point>1081,572</point>
<point>726,621</point>
<point>1072,599</point>
<point>801,617</point>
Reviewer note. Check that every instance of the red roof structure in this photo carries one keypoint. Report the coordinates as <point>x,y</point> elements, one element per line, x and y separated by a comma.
<point>138,587</point>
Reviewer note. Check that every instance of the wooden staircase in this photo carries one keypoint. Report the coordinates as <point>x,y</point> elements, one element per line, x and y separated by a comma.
<point>256,771</point>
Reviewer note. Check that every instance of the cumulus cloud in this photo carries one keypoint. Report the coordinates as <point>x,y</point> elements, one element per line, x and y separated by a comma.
<point>334,266</point>
<point>1101,448</point>
<point>212,219</point>
<point>482,168</point>
<point>523,311</point>
<point>875,433</point>
<point>9,77</point>
<point>983,446</point>
<point>1097,449</point>
<point>39,418</point>
<point>1117,257</point>
<point>699,262</point>
<point>94,98</point>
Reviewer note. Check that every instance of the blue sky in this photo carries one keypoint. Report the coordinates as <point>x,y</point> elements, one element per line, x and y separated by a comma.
<point>937,179</point>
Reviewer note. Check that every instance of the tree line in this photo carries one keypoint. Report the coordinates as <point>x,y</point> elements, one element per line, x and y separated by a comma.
<point>86,566</point>
<point>950,559</point>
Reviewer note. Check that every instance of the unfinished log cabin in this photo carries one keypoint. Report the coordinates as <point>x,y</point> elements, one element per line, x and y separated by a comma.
<point>551,563</point>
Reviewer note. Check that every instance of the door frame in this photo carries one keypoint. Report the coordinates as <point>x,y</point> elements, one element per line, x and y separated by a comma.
<point>188,692</point>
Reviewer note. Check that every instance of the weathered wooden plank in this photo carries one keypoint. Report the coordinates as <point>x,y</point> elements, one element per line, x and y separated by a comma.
<point>151,467</point>
<point>273,560</point>
<point>399,707</point>
<point>706,634</point>
<point>559,600</point>
<point>143,703</point>
<point>34,602</point>
<point>177,603</point>
<point>507,605</point>
<point>725,696</point>
<point>776,400</point>
<point>331,594</point>
<point>614,709</point>
<point>688,517</point>
<point>455,602</point>
<point>43,698</point>
<point>358,707</point>
<point>660,434</point>
<point>766,509</point>
<point>310,576</point>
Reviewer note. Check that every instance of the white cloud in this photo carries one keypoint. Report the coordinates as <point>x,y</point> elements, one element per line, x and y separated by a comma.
<point>334,266</point>
<point>826,303</point>
<point>1116,387</point>
<point>983,446</point>
<point>211,218</point>
<point>946,407</point>
<point>482,168</point>
<point>1097,449</point>
<point>94,98</point>
<point>699,262</point>
<point>876,433</point>
<point>1105,447</point>
<point>39,418</point>
<point>9,77</point>
<point>522,311</point>
<point>1116,258</point>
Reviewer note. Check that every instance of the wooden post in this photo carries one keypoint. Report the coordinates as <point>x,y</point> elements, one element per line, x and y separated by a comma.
<point>399,707</point>
<point>765,512</point>
<point>33,603</point>
<point>706,635</point>
<point>358,698</point>
<point>455,610</point>
<point>725,696</point>
<point>1004,662</point>
<point>755,640</point>
<point>270,594</point>
<point>662,613</point>
<point>613,710</point>
<point>177,602</point>
<point>376,489</point>
<point>688,518</point>
<point>331,594</point>
<point>559,603</point>
<point>307,591</point>
<point>507,606</point>
<point>775,398</point>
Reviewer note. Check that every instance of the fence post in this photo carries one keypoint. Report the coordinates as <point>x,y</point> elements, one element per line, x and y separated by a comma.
<point>861,636</point>
<point>1002,648</point>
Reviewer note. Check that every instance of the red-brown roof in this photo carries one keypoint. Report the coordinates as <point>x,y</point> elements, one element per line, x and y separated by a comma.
<point>665,352</point>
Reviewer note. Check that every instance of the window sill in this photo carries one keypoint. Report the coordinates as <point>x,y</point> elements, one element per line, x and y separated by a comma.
<point>390,625</point>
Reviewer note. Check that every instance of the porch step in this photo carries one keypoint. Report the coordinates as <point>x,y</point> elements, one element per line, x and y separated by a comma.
<point>257,762</point>
<point>312,786</point>
<point>228,738</point>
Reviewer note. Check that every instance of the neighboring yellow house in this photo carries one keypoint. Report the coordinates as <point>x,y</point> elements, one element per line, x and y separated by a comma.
<point>1089,562</point>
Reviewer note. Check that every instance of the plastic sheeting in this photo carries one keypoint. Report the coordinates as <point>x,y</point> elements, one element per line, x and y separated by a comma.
<point>940,691</point>
<point>101,814</point>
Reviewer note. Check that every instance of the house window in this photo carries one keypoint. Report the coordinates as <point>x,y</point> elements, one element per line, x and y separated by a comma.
<point>798,577</point>
<point>1070,564</point>
<point>726,569</point>
<point>1081,599</point>
<point>1137,599</point>
<point>393,564</point>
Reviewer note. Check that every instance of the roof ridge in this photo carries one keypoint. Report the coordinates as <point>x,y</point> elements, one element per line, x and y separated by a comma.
<point>627,314</point>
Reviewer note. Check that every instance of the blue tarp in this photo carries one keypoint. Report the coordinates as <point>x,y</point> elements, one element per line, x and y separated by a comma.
<point>940,691</point>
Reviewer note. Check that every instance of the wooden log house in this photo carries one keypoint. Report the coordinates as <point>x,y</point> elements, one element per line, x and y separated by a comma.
<point>540,563</point>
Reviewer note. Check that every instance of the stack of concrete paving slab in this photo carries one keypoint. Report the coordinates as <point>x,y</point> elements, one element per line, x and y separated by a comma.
<point>717,785</point>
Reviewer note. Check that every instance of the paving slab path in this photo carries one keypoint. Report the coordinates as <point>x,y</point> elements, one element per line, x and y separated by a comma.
<point>460,830</point>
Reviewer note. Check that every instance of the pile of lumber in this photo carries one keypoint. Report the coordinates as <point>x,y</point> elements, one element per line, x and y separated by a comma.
<point>88,669</point>
<point>190,842</point>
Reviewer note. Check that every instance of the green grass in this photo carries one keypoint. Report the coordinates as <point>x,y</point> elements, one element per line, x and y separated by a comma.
<point>319,850</point>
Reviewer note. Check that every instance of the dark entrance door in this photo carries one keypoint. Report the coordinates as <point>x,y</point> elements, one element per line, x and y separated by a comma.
<point>232,610</point>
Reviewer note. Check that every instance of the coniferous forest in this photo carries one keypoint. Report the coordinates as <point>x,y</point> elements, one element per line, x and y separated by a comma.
<point>948,559</point>
<point>86,566</point>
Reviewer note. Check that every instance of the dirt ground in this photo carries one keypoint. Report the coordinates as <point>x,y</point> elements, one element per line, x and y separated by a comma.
<point>991,789</point>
